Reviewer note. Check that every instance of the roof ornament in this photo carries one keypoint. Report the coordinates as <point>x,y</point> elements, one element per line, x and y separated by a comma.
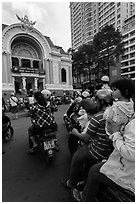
<point>26,23</point>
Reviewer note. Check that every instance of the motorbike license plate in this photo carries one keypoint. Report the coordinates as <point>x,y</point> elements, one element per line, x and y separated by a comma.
<point>49,145</point>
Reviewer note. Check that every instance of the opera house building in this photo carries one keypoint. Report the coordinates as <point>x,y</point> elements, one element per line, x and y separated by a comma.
<point>30,60</point>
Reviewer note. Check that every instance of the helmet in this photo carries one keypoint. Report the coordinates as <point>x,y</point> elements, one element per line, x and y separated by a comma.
<point>46,93</point>
<point>105,79</point>
<point>105,95</point>
<point>78,99</point>
<point>85,94</point>
<point>12,94</point>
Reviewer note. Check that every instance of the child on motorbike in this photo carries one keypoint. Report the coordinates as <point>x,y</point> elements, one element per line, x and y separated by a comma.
<point>122,109</point>
<point>41,117</point>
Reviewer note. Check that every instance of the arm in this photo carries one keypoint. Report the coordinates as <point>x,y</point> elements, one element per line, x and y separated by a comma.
<point>126,146</point>
<point>83,136</point>
<point>91,130</point>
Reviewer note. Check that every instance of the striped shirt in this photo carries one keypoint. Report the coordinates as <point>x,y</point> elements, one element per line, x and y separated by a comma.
<point>100,147</point>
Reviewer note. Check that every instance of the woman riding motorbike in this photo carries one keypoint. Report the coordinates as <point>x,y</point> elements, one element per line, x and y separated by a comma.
<point>41,117</point>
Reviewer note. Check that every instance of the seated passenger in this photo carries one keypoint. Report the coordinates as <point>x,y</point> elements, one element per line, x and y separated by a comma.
<point>97,145</point>
<point>122,109</point>
<point>118,171</point>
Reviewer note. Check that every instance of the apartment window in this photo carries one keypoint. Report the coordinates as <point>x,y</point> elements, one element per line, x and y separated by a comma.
<point>132,48</point>
<point>118,4</point>
<point>132,62</point>
<point>126,50</point>
<point>125,36</point>
<point>132,33</point>
<point>126,43</point>
<point>125,57</point>
<point>132,55</point>
<point>132,41</point>
<point>118,16</point>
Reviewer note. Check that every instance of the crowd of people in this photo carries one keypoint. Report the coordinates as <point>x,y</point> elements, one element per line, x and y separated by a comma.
<point>109,141</point>
<point>108,152</point>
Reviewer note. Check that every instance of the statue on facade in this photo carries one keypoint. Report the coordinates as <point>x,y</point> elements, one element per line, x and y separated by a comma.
<point>26,23</point>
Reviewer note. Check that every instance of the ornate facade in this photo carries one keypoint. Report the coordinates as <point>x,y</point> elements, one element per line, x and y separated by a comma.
<point>31,61</point>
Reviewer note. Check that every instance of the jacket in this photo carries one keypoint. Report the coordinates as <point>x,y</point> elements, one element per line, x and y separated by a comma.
<point>120,166</point>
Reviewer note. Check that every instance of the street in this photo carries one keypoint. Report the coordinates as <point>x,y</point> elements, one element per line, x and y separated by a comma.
<point>28,178</point>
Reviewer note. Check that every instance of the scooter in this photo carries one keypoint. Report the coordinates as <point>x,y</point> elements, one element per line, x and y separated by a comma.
<point>46,143</point>
<point>7,129</point>
<point>110,194</point>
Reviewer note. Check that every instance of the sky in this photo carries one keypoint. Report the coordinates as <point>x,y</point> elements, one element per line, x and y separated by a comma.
<point>52,18</point>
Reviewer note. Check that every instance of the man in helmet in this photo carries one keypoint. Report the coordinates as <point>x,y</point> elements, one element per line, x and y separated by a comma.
<point>87,103</point>
<point>105,82</point>
<point>41,116</point>
<point>97,144</point>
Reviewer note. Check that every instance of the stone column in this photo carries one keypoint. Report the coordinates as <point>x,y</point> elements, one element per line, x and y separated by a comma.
<point>36,83</point>
<point>20,64</point>
<point>24,83</point>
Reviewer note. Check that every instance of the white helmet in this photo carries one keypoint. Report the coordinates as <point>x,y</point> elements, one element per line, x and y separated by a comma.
<point>85,94</point>
<point>46,93</point>
<point>12,94</point>
<point>105,79</point>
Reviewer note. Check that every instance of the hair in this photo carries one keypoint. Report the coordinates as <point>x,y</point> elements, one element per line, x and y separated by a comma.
<point>126,87</point>
<point>37,95</point>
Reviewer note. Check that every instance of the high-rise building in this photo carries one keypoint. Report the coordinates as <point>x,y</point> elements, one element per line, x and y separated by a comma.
<point>81,23</point>
<point>88,18</point>
<point>128,59</point>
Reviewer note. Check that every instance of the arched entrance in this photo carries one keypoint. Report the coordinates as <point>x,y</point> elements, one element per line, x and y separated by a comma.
<point>27,64</point>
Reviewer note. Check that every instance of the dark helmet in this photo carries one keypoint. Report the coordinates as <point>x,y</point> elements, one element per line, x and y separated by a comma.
<point>105,95</point>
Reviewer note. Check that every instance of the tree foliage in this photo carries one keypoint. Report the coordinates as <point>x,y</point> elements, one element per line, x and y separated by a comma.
<point>99,55</point>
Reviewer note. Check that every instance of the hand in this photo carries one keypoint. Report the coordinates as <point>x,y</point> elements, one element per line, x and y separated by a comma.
<point>74,131</point>
<point>113,127</point>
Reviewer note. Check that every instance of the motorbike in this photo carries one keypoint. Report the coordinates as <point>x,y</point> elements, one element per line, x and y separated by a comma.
<point>7,129</point>
<point>46,143</point>
<point>111,194</point>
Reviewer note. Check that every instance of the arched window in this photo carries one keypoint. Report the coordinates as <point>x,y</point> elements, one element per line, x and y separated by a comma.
<point>63,75</point>
<point>15,61</point>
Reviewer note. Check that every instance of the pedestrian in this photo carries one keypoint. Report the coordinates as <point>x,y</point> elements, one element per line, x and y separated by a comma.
<point>105,82</point>
<point>14,105</point>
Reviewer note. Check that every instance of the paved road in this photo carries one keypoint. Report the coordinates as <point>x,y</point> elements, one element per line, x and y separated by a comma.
<point>27,178</point>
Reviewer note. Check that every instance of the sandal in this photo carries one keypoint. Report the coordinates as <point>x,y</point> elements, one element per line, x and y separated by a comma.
<point>77,195</point>
<point>66,184</point>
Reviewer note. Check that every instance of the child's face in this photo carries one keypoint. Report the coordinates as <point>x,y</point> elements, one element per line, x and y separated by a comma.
<point>116,94</point>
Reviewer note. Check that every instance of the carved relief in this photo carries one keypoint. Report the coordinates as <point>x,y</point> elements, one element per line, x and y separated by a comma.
<point>11,31</point>
<point>24,50</point>
<point>26,23</point>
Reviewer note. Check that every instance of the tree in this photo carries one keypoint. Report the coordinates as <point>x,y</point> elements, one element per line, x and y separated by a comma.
<point>108,46</point>
<point>83,61</point>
